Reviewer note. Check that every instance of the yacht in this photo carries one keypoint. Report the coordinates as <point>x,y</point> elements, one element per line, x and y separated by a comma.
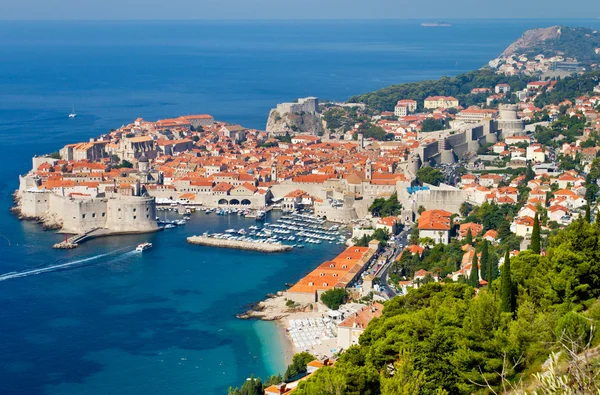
<point>143,247</point>
<point>72,114</point>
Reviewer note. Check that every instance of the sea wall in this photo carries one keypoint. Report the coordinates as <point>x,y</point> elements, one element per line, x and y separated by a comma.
<point>238,244</point>
<point>128,214</point>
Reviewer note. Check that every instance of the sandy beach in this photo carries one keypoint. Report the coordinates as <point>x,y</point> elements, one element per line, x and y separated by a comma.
<point>275,309</point>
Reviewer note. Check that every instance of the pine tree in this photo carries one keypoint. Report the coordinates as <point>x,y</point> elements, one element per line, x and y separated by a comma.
<point>588,214</point>
<point>485,260</point>
<point>507,294</point>
<point>535,235</point>
<point>474,277</point>
<point>529,173</point>
<point>469,238</point>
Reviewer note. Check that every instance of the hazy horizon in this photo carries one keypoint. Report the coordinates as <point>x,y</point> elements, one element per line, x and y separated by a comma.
<point>276,10</point>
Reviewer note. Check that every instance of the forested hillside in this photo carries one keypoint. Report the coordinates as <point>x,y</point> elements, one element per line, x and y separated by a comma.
<point>445,339</point>
<point>460,87</point>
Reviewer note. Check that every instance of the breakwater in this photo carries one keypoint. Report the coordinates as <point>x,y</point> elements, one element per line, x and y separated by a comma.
<point>237,244</point>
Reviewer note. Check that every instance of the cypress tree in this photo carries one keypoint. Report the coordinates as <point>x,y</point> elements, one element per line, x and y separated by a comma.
<point>494,267</point>
<point>535,235</point>
<point>485,261</point>
<point>507,294</point>
<point>469,238</point>
<point>474,277</point>
<point>588,214</point>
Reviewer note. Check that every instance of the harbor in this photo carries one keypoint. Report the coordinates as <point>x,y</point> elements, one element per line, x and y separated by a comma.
<point>292,230</point>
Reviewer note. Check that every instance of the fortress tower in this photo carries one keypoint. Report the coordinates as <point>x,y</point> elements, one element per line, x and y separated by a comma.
<point>369,170</point>
<point>508,122</point>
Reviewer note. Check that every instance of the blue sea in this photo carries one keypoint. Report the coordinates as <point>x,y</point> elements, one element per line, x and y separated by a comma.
<point>109,321</point>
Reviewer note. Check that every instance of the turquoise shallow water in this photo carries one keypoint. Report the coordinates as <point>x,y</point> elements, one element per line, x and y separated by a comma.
<point>114,322</point>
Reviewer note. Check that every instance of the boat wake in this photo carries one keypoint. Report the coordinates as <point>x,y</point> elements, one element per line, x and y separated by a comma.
<point>63,266</point>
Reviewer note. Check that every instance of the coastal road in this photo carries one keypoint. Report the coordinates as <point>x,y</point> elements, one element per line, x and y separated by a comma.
<point>392,250</point>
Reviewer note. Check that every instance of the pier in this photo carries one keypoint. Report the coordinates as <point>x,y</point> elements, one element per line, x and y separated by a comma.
<point>74,241</point>
<point>237,244</point>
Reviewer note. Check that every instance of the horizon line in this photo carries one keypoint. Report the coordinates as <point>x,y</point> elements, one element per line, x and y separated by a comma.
<point>293,19</point>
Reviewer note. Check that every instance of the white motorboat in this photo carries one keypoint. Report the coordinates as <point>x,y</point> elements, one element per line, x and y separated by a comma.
<point>143,247</point>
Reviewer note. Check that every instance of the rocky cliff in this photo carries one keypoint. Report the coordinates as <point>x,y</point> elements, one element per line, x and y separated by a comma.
<point>280,124</point>
<point>532,38</point>
<point>570,42</point>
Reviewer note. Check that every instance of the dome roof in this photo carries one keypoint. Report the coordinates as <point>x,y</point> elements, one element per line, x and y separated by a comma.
<point>143,158</point>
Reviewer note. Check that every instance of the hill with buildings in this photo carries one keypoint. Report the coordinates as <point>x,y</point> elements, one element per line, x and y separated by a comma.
<point>569,42</point>
<point>460,87</point>
<point>536,52</point>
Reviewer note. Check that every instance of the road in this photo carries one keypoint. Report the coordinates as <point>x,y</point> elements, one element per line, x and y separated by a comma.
<point>390,252</point>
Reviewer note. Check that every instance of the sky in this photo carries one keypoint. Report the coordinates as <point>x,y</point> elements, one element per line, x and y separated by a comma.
<point>294,9</point>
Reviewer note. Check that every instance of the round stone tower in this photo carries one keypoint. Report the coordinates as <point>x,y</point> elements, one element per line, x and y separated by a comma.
<point>508,122</point>
<point>414,164</point>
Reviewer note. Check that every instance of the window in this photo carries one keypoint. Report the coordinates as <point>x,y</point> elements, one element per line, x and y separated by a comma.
<point>321,274</point>
<point>310,284</point>
<point>103,215</point>
<point>134,217</point>
<point>119,209</point>
<point>324,284</point>
<point>83,216</point>
<point>93,215</point>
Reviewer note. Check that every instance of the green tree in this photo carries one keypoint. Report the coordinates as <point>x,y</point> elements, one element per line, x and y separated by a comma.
<point>386,207</point>
<point>251,386</point>
<point>124,164</point>
<point>430,175</point>
<point>474,276</point>
<point>529,173</point>
<point>588,214</point>
<point>298,365</point>
<point>431,125</point>
<point>507,294</point>
<point>485,260</point>
<point>469,238</point>
<point>535,235</point>
<point>335,297</point>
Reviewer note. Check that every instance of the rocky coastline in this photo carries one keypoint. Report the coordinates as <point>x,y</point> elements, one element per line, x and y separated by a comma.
<point>47,222</point>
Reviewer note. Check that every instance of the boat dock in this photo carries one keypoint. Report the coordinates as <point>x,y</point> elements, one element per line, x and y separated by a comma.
<point>238,244</point>
<point>74,241</point>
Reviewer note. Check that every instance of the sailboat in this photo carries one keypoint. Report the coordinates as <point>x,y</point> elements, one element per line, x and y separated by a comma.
<point>72,114</point>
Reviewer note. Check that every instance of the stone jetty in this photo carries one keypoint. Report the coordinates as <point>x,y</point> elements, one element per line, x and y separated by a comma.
<point>65,245</point>
<point>237,244</point>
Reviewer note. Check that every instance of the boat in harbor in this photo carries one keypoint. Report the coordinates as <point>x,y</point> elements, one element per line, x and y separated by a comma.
<point>143,247</point>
